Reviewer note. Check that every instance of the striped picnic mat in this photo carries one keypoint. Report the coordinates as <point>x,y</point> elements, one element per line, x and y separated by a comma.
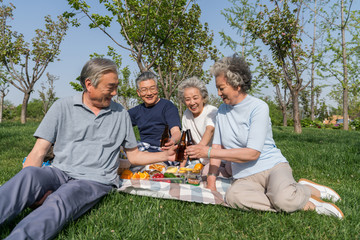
<point>177,191</point>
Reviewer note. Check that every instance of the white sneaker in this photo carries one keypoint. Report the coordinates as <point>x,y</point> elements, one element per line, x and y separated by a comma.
<point>325,192</point>
<point>326,208</point>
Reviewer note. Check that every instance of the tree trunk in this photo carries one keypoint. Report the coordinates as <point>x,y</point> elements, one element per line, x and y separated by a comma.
<point>312,105</point>
<point>167,95</point>
<point>24,107</point>
<point>282,103</point>
<point>1,106</point>
<point>346,110</point>
<point>344,56</point>
<point>296,112</point>
<point>284,118</point>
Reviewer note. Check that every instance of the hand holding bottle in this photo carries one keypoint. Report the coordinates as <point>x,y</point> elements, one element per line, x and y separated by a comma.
<point>166,142</point>
<point>190,142</point>
<point>180,153</point>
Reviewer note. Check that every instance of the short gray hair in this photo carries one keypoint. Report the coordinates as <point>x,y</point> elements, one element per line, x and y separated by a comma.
<point>236,70</point>
<point>94,69</point>
<point>193,82</point>
<point>144,77</point>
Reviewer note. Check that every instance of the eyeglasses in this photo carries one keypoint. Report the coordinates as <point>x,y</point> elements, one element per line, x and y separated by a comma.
<point>152,89</point>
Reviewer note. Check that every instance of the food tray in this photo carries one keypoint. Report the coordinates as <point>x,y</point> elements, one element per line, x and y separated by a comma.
<point>177,175</point>
<point>169,180</point>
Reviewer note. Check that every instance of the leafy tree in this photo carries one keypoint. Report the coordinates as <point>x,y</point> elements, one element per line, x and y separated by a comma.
<point>276,77</point>
<point>340,23</point>
<point>322,111</point>
<point>237,17</point>
<point>215,100</point>
<point>305,103</point>
<point>26,62</point>
<point>276,115</point>
<point>162,36</point>
<point>279,28</point>
<point>241,12</point>
<point>312,85</point>
<point>9,111</point>
<point>34,109</point>
<point>335,110</point>
<point>316,48</point>
<point>4,85</point>
<point>127,95</point>
<point>353,97</point>
<point>77,86</point>
<point>47,93</point>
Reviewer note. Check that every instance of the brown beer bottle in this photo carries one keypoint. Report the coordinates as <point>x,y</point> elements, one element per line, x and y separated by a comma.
<point>181,148</point>
<point>190,141</point>
<point>165,136</point>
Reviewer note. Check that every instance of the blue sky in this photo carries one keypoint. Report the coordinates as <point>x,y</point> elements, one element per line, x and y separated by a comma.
<point>80,42</point>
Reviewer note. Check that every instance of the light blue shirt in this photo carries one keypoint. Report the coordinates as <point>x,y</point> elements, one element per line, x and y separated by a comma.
<point>247,125</point>
<point>87,146</point>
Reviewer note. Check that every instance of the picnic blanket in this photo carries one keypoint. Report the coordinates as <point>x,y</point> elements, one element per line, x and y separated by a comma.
<point>177,191</point>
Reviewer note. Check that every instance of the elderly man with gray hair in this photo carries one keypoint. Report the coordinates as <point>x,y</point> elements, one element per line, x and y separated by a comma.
<point>154,114</point>
<point>87,131</point>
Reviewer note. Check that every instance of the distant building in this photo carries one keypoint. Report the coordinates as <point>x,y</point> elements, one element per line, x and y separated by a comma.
<point>332,119</point>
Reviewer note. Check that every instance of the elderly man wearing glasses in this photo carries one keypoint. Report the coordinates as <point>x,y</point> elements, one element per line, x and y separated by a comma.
<point>153,114</point>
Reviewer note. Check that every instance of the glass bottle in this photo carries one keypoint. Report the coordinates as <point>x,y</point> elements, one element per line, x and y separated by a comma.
<point>190,141</point>
<point>165,136</point>
<point>180,152</point>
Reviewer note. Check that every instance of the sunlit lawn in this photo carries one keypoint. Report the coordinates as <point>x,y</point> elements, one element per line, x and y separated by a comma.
<point>327,156</point>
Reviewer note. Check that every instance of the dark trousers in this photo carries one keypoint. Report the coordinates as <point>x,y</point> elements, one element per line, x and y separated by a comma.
<point>70,199</point>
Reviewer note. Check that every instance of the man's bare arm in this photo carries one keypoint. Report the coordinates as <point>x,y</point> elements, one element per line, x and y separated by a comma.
<point>137,157</point>
<point>37,154</point>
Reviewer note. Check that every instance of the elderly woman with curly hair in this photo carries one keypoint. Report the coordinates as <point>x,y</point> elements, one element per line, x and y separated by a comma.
<point>263,178</point>
<point>199,118</point>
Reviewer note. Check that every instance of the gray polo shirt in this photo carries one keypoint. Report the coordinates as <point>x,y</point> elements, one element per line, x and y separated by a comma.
<point>87,146</point>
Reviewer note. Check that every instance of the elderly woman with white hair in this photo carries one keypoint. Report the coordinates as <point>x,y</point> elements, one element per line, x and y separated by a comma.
<point>263,178</point>
<point>199,117</point>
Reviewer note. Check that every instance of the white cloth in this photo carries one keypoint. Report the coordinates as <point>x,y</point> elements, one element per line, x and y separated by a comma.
<point>198,125</point>
<point>178,191</point>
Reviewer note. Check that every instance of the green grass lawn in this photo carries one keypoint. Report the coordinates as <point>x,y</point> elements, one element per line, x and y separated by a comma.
<point>330,157</point>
